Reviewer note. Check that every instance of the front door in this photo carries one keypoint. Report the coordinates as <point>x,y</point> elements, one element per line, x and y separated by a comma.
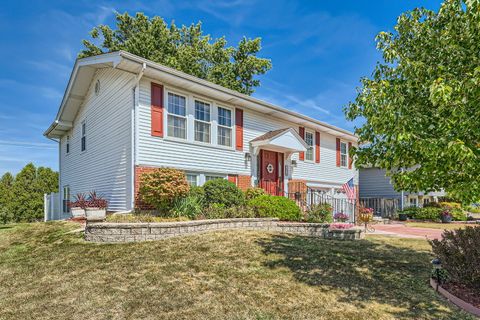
<point>271,172</point>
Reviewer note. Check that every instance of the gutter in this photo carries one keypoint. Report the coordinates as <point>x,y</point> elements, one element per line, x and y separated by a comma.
<point>134,128</point>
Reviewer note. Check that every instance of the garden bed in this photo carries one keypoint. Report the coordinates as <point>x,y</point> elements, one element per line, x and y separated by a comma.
<point>135,232</point>
<point>462,297</point>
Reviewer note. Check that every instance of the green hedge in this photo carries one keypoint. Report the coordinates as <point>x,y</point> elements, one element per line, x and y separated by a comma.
<point>267,206</point>
<point>222,192</point>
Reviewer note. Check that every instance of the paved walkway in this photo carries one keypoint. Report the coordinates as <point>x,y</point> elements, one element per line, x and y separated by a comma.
<point>400,230</point>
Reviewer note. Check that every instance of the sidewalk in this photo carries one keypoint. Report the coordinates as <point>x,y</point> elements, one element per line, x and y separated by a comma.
<point>402,231</point>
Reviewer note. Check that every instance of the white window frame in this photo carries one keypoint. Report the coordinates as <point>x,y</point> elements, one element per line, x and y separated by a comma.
<point>232,111</point>
<point>197,178</point>
<point>413,202</point>
<point>209,123</point>
<point>185,117</point>
<point>83,136</point>
<point>311,148</point>
<point>344,154</point>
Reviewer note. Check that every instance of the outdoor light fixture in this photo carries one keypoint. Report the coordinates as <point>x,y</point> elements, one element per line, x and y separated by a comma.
<point>437,265</point>
<point>294,163</point>
<point>248,156</point>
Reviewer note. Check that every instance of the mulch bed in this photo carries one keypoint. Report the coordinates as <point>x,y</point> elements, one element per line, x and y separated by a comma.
<point>467,294</point>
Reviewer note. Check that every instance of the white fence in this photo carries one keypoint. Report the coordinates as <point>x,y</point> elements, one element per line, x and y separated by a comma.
<point>52,207</point>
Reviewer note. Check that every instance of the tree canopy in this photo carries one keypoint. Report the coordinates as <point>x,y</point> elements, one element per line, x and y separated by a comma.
<point>21,197</point>
<point>184,48</point>
<point>421,106</point>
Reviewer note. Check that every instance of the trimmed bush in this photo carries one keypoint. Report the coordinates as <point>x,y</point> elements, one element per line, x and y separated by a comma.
<point>432,204</point>
<point>451,205</point>
<point>458,214</point>
<point>322,213</point>
<point>252,193</point>
<point>223,192</point>
<point>460,256</point>
<point>429,213</point>
<point>410,211</point>
<point>267,206</point>
<point>161,187</point>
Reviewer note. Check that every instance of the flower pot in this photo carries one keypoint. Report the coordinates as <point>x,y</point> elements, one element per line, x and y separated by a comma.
<point>446,219</point>
<point>96,214</point>
<point>402,217</point>
<point>77,212</point>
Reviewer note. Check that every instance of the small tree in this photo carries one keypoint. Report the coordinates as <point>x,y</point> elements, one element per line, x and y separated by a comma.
<point>161,187</point>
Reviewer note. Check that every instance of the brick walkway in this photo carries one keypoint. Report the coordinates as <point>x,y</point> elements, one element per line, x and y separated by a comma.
<point>403,231</point>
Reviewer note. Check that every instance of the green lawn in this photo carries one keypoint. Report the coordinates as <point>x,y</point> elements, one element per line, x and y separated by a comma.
<point>443,226</point>
<point>48,272</point>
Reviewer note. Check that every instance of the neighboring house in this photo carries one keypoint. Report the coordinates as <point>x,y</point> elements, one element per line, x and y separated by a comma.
<point>123,115</point>
<point>375,184</point>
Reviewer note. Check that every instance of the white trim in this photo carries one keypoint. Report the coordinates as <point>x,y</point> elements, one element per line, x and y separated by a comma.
<point>313,145</point>
<point>346,154</point>
<point>167,113</point>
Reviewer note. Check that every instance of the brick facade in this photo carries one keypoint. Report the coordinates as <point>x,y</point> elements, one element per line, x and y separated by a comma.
<point>139,171</point>
<point>244,182</point>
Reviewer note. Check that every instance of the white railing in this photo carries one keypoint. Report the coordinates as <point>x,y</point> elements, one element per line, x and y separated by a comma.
<point>52,207</point>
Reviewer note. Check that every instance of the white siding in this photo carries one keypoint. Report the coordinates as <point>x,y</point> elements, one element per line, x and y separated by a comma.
<point>375,184</point>
<point>105,166</point>
<point>155,151</point>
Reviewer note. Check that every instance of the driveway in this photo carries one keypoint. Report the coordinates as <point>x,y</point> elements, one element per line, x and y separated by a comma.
<point>400,230</point>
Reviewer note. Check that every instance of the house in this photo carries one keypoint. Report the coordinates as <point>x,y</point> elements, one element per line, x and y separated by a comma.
<point>123,115</point>
<point>376,185</point>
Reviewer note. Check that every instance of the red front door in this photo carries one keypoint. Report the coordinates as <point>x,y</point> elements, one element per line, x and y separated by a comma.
<point>271,172</point>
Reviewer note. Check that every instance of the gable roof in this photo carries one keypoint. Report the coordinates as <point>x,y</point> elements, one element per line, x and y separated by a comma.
<point>84,69</point>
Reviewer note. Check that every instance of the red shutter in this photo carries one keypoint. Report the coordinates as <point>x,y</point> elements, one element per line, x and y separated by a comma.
<point>338,152</point>
<point>157,109</point>
<point>317,147</point>
<point>349,157</point>
<point>239,129</point>
<point>301,132</point>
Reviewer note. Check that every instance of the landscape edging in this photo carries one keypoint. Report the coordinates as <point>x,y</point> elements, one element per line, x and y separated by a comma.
<point>134,232</point>
<point>462,304</point>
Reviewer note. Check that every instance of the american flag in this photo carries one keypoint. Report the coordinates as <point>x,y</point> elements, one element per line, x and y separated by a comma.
<point>349,188</point>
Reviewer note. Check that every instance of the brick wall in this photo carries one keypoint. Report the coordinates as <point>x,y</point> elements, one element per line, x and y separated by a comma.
<point>244,182</point>
<point>139,171</point>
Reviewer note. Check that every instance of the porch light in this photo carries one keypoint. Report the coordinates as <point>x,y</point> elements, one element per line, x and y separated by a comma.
<point>248,156</point>
<point>294,163</point>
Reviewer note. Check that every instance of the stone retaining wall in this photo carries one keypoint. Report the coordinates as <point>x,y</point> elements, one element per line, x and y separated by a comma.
<point>132,232</point>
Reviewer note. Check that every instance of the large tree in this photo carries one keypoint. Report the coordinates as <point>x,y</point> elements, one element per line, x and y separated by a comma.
<point>184,48</point>
<point>421,106</point>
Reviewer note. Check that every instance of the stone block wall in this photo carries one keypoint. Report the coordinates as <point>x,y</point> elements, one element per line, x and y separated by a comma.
<point>133,232</point>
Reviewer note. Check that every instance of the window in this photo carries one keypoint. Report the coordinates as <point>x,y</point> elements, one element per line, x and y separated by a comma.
<point>84,136</point>
<point>202,121</point>
<point>224,127</point>
<point>343,154</point>
<point>66,199</point>
<point>67,147</point>
<point>192,179</point>
<point>413,202</point>
<point>426,201</point>
<point>177,121</point>
<point>208,178</point>
<point>309,141</point>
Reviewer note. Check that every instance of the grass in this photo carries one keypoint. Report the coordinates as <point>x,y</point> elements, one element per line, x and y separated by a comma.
<point>443,226</point>
<point>48,271</point>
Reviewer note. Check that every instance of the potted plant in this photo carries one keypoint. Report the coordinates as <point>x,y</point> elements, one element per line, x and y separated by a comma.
<point>446,216</point>
<point>77,207</point>
<point>340,216</point>
<point>96,207</point>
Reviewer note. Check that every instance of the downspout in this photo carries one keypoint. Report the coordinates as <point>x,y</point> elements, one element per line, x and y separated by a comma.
<point>134,126</point>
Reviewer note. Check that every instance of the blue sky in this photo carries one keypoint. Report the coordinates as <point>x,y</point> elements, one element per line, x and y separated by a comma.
<point>319,51</point>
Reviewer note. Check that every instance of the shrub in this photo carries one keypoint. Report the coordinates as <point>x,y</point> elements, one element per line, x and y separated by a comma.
<point>473,209</point>
<point>252,193</point>
<point>197,191</point>
<point>459,254</point>
<point>410,211</point>
<point>190,207</point>
<point>275,207</point>
<point>223,192</point>
<point>320,213</point>
<point>161,187</point>
<point>217,211</point>
<point>458,214</point>
<point>451,205</point>
<point>127,218</point>
<point>429,213</point>
<point>432,204</point>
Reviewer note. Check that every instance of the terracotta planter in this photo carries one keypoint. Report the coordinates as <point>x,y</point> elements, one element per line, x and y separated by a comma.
<point>96,214</point>
<point>77,212</point>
